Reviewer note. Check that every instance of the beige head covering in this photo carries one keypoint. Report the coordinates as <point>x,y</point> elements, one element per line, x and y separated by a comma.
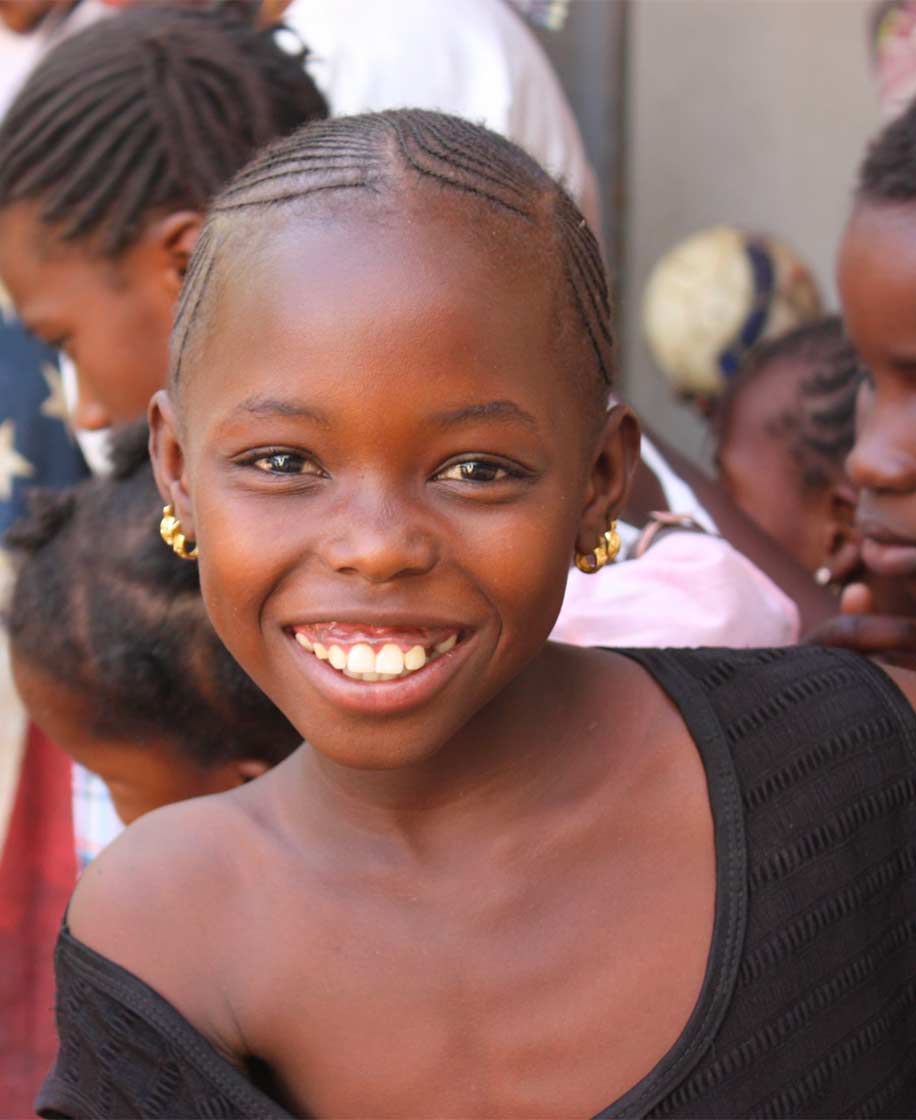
<point>716,294</point>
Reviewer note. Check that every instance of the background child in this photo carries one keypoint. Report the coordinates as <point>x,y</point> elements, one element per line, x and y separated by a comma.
<point>784,427</point>
<point>103,184</point>
<point>505,877</point>
<point>877,280</point>
<point>114,655</point>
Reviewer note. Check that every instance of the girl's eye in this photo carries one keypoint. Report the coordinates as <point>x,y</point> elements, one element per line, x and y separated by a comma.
<point>285,462</point>
<point>474,470</point>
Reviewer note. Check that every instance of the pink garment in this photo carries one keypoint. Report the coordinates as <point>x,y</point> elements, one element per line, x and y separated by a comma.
<point>689,589</point>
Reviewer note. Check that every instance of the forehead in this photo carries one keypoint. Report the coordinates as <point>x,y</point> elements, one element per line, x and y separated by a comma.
<point>423,292</point>
<point>773,391</point>
<point>877,271</point>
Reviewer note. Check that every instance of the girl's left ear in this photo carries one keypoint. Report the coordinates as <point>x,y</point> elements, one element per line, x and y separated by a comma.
<point>613,463</point>
<point>174,237</point>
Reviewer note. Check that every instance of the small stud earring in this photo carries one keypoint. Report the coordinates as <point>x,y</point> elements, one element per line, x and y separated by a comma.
<point>170,531</point>
<point>605,553</point>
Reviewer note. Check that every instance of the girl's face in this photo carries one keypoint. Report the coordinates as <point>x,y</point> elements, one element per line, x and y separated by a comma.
<point>877,278</point>
<point>386,465</point>
<point>111,317</point>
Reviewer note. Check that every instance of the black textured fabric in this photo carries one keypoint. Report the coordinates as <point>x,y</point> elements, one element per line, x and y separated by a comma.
<point>808,1008</point>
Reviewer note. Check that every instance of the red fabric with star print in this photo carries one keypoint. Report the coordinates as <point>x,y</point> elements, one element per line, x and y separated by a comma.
<point>37,876</point>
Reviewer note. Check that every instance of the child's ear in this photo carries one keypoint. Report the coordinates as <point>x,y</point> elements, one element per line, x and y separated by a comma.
<point>841,517</point>
<point>175,236</point>
<point>247,769</point>
<point>168,459</point>
<point>613,462</point>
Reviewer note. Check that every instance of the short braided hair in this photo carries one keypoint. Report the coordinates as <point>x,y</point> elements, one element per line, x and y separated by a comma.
<point>820,428</point>
<point>383,154</point>
<point>154,108</point>
<point>888,171</point>
<point>103,606</point>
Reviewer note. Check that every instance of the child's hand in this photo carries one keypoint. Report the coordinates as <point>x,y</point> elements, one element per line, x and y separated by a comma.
<point>891,637</point>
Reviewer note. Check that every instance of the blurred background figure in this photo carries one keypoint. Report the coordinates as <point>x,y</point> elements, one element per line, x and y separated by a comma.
<point>113,651</point>
<point>30,28</point>
<point>784,426</point>
<point>476,59</point>
<point>714,296</point>
<point>893,54</point>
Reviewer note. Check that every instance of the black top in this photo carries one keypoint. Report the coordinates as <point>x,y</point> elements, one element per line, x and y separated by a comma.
<point>808,1007</point>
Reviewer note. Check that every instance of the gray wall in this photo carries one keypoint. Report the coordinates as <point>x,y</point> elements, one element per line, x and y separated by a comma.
<point>753,112</point>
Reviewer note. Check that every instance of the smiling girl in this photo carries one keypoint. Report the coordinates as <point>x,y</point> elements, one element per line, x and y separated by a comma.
<point>505,878</point>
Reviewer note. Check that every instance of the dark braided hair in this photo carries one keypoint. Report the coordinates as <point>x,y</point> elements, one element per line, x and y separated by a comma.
<point>820,427</point>
<point>383,155</point>
<point>103,606</point>
<point>149,110</point>
<point>888,172</point>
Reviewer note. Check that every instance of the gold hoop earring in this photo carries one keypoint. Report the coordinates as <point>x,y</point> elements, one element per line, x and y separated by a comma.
<point>605,552</point>
<point>170,531</point>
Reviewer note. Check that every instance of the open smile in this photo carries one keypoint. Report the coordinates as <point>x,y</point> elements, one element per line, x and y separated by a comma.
<point>374,653</point>
<point>379,668</point>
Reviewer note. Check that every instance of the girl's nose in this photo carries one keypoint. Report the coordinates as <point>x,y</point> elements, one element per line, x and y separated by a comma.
<point>884,454</point>
<point>380,542</point>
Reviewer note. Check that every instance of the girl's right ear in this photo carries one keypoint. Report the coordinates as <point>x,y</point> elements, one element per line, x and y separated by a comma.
<point>168,459</point>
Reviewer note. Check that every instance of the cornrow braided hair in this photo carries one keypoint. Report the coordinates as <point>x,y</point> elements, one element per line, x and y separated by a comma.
<point>391,153</point>
<point>888,171</point>
<point>153,108</point>
<point>100,603</point>
<point>821,426</point>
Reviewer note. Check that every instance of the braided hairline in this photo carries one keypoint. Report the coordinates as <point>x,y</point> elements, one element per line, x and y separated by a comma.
<point>360,153</point>
<point>155,108</point>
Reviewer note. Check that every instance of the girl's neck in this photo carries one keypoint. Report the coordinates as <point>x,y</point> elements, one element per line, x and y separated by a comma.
<point>501,765</point>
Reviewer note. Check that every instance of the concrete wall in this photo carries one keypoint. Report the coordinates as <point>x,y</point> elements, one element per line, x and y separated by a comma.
<point>753,112</point>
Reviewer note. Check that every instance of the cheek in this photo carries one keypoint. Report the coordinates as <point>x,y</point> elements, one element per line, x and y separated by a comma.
<point>121,357</point>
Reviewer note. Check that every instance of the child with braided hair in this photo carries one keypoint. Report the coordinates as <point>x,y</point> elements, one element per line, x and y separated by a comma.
<point>104,180</point>
<point>503,877</point>
<point>114,655</point>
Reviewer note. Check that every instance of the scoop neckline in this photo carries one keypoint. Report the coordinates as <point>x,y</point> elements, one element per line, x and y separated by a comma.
<point>731,901</point>
<point>729,923</point>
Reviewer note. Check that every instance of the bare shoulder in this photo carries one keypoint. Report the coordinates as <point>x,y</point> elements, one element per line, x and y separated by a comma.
<point>164,882</point>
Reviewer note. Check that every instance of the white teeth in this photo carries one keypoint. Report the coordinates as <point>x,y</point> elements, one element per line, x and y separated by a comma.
<point>361,658</point>
<point>389,660</point>
<point>362,662</point>
<point>367,676</point>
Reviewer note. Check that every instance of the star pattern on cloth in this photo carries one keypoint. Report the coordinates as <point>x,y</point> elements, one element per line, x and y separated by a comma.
<point>12,464</point>
<point>55,406</point>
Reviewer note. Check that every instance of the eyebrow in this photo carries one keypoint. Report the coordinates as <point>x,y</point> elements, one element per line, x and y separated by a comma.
<point>279,406</point>
<point>505,411</point>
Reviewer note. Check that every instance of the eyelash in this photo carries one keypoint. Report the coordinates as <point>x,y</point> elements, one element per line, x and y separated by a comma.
<point>508,470</point>
<point>264,456</point>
